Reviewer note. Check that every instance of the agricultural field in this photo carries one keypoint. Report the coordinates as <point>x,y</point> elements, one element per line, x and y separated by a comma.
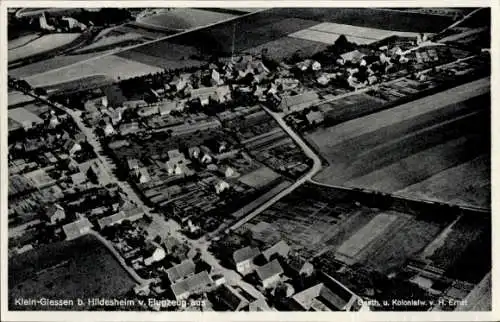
<point>316,220</point>
<point>285,47</point>
<point>41,45</point>
<point>371,17</point>
<point>112,42</point>
<point>465,184</point>
<point>67,270</point>
<point>182,19</point>
<point>21,41</point>
<point>164,55</point>
<point>80,84</point>
<point>399,148</point>
<point>48,65</point>
<point>111,66</point>
<point>456,251</point>
<point>328,33</point>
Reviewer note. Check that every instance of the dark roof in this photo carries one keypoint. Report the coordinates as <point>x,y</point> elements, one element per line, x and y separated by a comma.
<point>297,263</point>
<point>230,297</point>
<point>268,270</point>
<point>192,283</point>
<point>180,271</point>
<point>245,253</point>
<point>281,248</point>
<point>332,294</point>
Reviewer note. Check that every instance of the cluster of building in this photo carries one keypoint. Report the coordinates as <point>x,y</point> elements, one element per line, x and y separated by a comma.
<point>293,282</point>
<point>333,111</point>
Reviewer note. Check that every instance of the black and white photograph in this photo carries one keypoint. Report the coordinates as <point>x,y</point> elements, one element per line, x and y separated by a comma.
<point>230,159</point>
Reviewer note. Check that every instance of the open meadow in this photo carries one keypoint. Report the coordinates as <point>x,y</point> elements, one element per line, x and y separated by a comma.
<point>112,66</point>
<point>41,45</point>
<point>182,19</point>
<point>82,268</point>
<point>395,150</point>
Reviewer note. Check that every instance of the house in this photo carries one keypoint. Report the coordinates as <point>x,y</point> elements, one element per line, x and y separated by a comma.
<point>129,128</point>
<point>148,111</point>
<point>230,172</point>
<point>329,295</point>
<point>281,248</point>
<point>194,152</point>
<point>204,94</point>
<point>132,214</point>
<point>132,164</point>
<point>77,228</point>
<point>157,255</point>
<point>229,299</point>
<point>354,56</point>
<point>72,147</point>
<point>206,158</point>
<point>176,162</point>
<point>223,94</point>
<point>215,78</point>
<point>298,102</point>
<point>181,271</point>
<point>143,175</point>
<point>219,279</point>
<point>134,104</point>
<point>315,117</point>
<point>243,259</point>
<point>78,178</point>
<point>221,186</point>
<point>24,117</point>
<point>270,273</point>
<point>192,285</point>
<point>55,213</point>
<point>108,129</point>
<point>50,157</point>
<point>297,266</point>
<point>53,122</point>
<point>316,66</point>
<point>116,116</point>
<point>167,107</point>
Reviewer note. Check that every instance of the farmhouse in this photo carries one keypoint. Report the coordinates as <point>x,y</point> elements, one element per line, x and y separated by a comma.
<point>298,102</point>
<point>229,298</point>
<point>270,273</point>
<point>191,285</point>
<point>329,295</point>
<point>25,118</point>
<point>55,213</point>
<point>243,259</point>
<point>130,214</point>
<point>181,271</point>
<point>77,228</point>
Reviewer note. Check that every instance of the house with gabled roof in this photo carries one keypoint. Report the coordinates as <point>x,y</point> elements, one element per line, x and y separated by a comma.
<point>192,285</point>
<point>228,298</point>
<point>181,271</point>
<point>243,259</point>
<point>270,273</point>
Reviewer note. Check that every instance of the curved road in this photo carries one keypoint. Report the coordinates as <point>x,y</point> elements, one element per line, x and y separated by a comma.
<point>307,150</point>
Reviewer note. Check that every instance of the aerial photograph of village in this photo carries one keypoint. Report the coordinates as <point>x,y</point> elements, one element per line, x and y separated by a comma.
<point>249,159</point>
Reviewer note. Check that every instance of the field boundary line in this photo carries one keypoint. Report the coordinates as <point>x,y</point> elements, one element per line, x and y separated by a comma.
<point>114,52</point>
